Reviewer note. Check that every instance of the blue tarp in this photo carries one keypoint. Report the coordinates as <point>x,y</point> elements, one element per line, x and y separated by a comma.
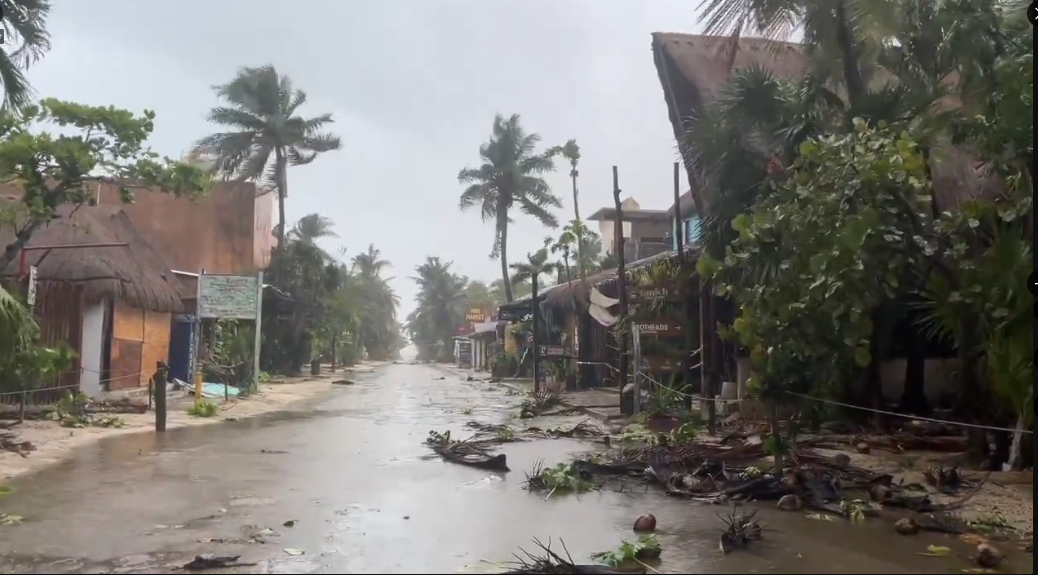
<point>217,390</point>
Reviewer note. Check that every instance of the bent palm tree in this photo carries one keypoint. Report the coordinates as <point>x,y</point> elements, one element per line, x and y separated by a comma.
<point>267,134</point>
<point>509,176</point>
<point>313,227</point>
<point>25,29</point>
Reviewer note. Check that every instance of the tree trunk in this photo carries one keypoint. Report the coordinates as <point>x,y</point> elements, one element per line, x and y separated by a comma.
<point>913,395</point>
<point>874,374</point>
<point>971,401</point>
<point>852,77</point>
<point>12,249</point>
<point>502,230</point>
<point>1015,461</point>
<point>282,184</point>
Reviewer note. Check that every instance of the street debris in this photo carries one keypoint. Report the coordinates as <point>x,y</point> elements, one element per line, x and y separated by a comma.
<point>726,472</point>
<point>209,561</point>
<point>343,382</point>
<point>551,562</point>
<point>8,519</point>
<point>563,477</point>
<point>9,442</point>
<point>294,551</point>
<point>740,530</point>
<point>645,523</point>
<point>470,452</point>
<point>290,523</point>
<point>630,553</point>
<point>539,403</point>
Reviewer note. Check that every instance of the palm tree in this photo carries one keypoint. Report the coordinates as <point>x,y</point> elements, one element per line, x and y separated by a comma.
<point>571,152</point>
<point>313,227</point>
<point>510,176</point>
<point>441,307</point>
<point>267,134</point>
<point>370,263</point>
<point>25,27</point>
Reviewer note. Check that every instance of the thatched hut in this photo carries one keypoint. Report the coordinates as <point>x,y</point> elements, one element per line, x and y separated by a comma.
<point>112,305</point>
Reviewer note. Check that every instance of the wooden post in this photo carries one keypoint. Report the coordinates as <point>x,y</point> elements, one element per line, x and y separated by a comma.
<point>621,277</point>
<point>536,313</point>
<point>160,377</point>
<point>686,308</point>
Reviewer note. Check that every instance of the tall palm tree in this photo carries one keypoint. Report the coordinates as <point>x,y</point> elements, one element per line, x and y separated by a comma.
<point>570,151</point>
<point>510,176</point>
<point>267,135</point>
<point>25,31</point>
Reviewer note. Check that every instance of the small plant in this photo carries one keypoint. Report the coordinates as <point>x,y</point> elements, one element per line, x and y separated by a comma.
<point>437,438</point>
<point>466,411</point>
<point>505,433</point>
<point>644,548</point>
<point>856,509</point>
<point>204,409</point>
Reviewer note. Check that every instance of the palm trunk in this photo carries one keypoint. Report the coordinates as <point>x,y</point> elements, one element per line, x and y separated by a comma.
<point>502,231</point>
<point>282,184</point>
<point>852,76</point>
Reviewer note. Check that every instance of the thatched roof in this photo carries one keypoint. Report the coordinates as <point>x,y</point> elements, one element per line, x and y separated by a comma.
<point>133,273</point>
<point>694,68</point>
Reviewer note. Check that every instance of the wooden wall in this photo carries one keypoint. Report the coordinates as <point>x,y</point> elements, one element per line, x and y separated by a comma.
<point>139,339</point>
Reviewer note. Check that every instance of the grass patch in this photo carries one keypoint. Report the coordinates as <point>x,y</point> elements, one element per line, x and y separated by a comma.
<point>203,409</point>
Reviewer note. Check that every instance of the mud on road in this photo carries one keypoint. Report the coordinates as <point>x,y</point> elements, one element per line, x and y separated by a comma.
<point>347,485</point>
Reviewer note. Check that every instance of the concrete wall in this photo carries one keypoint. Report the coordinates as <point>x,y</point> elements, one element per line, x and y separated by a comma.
<point>91,349</point>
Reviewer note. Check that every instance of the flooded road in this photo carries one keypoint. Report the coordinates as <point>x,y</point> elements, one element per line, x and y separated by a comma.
<point>352,478</point>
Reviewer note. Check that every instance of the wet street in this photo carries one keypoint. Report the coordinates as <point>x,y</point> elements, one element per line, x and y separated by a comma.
<point>365,497</point>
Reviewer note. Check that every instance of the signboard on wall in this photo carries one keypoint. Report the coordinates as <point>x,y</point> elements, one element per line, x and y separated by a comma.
<point>228,296</point>
<point>30,293</point>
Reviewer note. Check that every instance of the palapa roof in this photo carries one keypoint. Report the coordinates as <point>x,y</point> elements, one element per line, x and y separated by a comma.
<point>133,273</point>
<point>694,68</point>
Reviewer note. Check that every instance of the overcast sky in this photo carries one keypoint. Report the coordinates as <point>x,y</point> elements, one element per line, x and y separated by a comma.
<point>413,85</point>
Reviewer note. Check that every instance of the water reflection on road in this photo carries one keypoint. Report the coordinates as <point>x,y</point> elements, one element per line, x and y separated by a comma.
<point>352,475</point>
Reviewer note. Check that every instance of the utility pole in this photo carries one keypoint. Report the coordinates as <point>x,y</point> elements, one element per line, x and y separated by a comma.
<point>621,278</point>
<point>159,387</point>
<point>686,309</point>
<point>535,340</point>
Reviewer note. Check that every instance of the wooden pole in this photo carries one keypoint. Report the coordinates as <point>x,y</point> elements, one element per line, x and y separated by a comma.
<point>535,340</point>
<point>686,308</point>
<point>621,277</point>
<point>160,377</point>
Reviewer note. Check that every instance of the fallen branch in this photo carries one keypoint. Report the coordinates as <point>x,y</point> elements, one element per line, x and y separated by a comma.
<point>551,562</point>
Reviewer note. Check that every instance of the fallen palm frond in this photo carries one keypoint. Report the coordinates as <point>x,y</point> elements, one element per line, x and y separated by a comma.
<point>551,562</point>
<point>631,552</point>
<point>740,530</point>
<point>470,452</point>
<point>540,402</point>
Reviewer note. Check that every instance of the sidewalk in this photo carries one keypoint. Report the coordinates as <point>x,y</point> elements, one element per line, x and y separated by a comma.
<point>54,443</point>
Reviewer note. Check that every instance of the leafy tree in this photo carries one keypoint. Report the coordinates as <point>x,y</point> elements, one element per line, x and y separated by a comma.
<point>510,176</point>
<point>95,142</point>
<point>477,293</point>
<point>25,27</point>
<point>266,134</point>
<point>520,289</point>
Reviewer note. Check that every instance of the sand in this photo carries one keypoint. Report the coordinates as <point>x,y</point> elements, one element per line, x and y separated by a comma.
<point>55,443</point>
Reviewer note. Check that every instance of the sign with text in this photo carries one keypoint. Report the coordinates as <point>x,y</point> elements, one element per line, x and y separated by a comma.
<point>517,313</point>
<point>476,315</point>
<point>30,292</point>
<point>661,363</point>
<point>658,293</point>
<point>659,327</point>
<point>228,297</point>
<point>552,351</point>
